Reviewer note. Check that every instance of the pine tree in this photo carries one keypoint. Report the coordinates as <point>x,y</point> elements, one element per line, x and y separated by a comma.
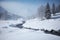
<point>0,15</point>
<point>58,8</point>
<point>47,11</point>
<point>53,9</point>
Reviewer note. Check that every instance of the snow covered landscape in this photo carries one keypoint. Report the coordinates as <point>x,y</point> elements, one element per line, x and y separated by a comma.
<point>29,20</point>
<point>12,33</point>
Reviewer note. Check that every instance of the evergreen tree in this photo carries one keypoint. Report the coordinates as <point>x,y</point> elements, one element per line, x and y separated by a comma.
<point>47,11</point>
<point>0,15</point>
<point>53,9</point>
<point>58,8</point>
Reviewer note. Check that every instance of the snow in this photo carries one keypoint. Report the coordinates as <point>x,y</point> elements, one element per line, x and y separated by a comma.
<point>45,24</point>
<point>53,23</point>
<point>12,33</point>
<point>9,22</point>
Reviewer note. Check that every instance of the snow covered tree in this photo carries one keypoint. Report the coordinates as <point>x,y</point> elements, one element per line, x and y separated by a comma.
<point>53,9</point>
<point>47,11</point>
<point>41,12</point>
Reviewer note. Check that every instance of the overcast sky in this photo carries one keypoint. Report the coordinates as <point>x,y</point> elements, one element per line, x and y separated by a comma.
<point>24,7</point>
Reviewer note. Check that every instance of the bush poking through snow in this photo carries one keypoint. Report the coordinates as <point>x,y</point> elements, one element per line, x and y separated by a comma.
<point>54,32</point>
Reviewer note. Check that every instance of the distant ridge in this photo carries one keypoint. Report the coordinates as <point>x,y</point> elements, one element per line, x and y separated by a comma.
<point>5,15</point>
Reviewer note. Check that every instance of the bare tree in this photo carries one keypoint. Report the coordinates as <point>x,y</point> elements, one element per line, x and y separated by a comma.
<point>41,12</point>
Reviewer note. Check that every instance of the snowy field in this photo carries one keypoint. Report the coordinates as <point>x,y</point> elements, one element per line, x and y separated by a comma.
<point>12,33</point>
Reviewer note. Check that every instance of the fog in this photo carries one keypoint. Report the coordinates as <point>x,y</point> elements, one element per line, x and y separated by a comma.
<point>19,8</point>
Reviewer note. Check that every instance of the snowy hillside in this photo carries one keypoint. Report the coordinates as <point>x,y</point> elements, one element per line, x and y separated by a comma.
<point>5,15</point>
<point>53,23</point>
<point>12,33</point>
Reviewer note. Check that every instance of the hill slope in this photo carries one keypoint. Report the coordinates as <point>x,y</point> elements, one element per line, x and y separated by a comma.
<point>5,15</point>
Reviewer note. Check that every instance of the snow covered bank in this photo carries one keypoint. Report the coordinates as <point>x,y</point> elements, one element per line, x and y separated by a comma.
<point>53,23</point>
<point>46,24</point>
<point>9,22</point>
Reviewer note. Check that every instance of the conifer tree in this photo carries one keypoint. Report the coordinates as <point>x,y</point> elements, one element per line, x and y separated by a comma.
<point>47,11</point>
<point>59,8</point>
<point>53,9</point>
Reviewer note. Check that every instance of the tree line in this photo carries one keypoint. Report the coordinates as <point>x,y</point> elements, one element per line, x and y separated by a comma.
<point>49,10</point>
